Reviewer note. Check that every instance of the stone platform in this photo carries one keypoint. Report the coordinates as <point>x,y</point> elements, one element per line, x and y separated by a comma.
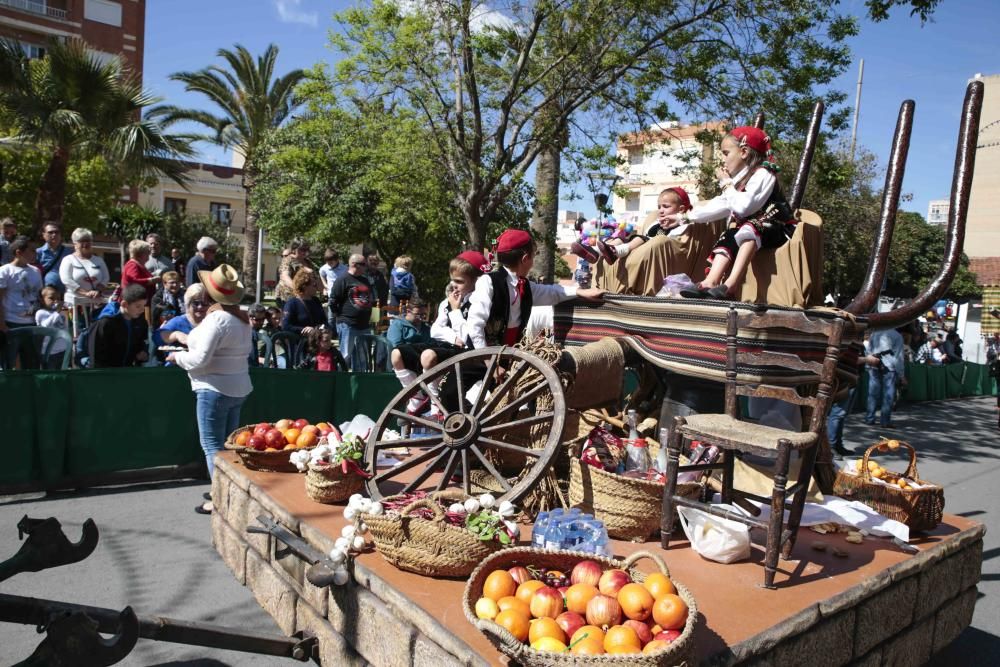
<point>879,606</point>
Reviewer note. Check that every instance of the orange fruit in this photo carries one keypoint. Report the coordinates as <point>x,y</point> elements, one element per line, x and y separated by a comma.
<point>655,646</point>
<point>658,585</point>
<point>545,627</point>
<point>486,608</point>
<point>499,584</point>
<point>517,604</point>
<point>670,612</point>
<point>623,648</point>
<point>620,636</point>
<point>514,622</point>
<point>526,591</point>
<point>306,439</point>
<point>636,601</point>
<point>593,633</point>
<point>243,438</point>
<point>588,646</point>
<point>291,435</point>
<point>578,595</point>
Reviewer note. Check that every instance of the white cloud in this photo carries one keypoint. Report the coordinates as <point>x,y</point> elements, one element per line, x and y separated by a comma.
<point>289,12</point>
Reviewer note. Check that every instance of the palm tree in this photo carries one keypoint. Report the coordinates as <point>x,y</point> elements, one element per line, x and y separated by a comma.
<point>253,102</point>
<point>72,104</point>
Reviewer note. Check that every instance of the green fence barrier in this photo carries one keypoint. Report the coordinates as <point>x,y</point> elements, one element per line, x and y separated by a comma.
<point>62,424</point>
<point>937,383</point>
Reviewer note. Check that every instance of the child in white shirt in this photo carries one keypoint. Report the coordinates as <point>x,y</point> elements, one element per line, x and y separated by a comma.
<point>52,314</point>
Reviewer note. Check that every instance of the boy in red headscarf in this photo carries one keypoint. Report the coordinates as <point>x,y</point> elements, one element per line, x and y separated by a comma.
<point>759,215</point>
<point>501,301</point>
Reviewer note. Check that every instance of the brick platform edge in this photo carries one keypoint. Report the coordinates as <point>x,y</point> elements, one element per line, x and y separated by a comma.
<point>354,622</point>
<point>903,616</point>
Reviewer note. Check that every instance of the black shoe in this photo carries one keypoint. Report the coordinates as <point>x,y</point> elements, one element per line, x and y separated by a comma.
<point>695,293</point>
<point>206,495</point>
<point>201,509</point>
<point>721,293</point>
<point>842,451</point>
<point>890,425</point>
<point>870,423</point>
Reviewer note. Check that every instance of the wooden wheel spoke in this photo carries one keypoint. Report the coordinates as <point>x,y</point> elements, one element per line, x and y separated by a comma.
<point>526,421</point>
<point>514,405</point>
<point>493,471</point>
<point>408,442</point>
<point>466,482</point>
<point>427,472</point>
<point>457,370</point>
<point>527,451</point>
<point>437,426</point>
<point>503,389</point>
<point>434,399</point>
<point>487,380</point>
<point>407,464</point>
<point>449,470</point>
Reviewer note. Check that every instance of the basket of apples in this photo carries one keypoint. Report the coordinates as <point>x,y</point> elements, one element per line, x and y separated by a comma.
<point>267,446</point>
<point>544,608</point>
<point>333,473</point>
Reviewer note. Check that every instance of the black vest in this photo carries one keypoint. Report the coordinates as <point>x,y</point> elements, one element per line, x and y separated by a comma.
<point>775,210</point>
<point>496,323</point>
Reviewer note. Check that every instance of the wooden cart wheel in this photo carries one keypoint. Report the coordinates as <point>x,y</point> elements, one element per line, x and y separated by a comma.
<point>497,418</point>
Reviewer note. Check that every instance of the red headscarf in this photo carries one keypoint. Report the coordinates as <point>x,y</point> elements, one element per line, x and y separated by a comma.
<point>683,196</point>
<point>754,138</point>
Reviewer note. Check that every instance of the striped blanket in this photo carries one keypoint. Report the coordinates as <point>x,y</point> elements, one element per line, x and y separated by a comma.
<point>689,337</point>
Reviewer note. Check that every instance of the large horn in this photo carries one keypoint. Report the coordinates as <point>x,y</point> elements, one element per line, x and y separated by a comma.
<point>802,175</point>
<point>961,188</point>
<point>868,294</point>
<point>758,122</point>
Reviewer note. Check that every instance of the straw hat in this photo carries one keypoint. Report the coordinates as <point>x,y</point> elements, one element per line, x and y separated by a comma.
<point>222,284</point>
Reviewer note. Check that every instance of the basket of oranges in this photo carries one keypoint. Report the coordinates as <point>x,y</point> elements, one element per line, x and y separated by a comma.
<point>902,497</point>
<point>554,608</point>
<point>267,447</point>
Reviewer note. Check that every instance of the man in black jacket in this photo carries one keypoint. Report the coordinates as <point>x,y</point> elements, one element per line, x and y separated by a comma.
<point>351,304</point>
<point>120,340</point>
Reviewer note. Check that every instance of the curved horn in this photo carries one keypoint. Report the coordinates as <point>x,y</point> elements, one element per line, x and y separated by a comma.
<point>961,188</point>
<point>808,150</point>
<point>868,294</point>
<point>758,122</point>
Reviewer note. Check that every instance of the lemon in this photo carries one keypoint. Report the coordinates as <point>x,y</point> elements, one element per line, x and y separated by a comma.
<point>548,644</point>
<point>486,609</point>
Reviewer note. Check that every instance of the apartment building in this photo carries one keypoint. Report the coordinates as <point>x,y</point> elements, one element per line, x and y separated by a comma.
<point>112,28</point>
<point>663,156</point>
<point>937,211</point>
<point>982,230</point>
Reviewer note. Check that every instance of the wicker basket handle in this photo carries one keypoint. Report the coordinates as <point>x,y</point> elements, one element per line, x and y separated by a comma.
<point>639,555</point>
<point>911,469</point>
<point>429,503</point>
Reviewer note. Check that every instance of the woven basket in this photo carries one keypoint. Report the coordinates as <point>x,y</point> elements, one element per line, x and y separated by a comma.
<point>262,461</point>
<point>630,508</point>
<point>430,547</point>
<point>920,509</point>
<point>330,484</point>
<point>682,651</point>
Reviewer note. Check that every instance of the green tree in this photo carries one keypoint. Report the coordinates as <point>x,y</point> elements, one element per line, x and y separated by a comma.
<point>915,257</point>
<point>71,104</point>
<point>252,101</point>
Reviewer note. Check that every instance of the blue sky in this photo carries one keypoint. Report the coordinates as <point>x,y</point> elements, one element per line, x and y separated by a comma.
<point>929,64</point>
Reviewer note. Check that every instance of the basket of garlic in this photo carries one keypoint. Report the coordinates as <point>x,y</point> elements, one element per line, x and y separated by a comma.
<point>903,497</point>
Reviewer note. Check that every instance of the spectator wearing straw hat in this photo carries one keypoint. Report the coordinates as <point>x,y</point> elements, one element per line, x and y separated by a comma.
<point>216,362</point>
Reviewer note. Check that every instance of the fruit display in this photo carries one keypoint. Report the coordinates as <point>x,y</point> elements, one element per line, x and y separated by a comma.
<point>283,434</point>
<point>555,607</point>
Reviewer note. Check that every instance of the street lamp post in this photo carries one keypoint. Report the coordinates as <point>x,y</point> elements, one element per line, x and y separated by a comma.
<point>602,185</point>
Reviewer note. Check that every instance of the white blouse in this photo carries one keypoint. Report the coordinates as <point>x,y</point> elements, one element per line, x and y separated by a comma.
<point>79,274</point>
<point>217,353</point>
<point>733,202</point>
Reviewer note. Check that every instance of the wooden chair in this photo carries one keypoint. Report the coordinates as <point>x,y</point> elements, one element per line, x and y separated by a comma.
<point>731,435</point>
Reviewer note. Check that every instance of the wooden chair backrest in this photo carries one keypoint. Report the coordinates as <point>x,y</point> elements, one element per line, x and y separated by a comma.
<point>823,373</point>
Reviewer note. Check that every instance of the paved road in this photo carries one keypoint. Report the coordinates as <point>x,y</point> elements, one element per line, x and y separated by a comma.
<point>155,553</point>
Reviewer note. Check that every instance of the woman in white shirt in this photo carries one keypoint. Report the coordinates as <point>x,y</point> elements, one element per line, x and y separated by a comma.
<point>216,362</point>
<point>83,273</point>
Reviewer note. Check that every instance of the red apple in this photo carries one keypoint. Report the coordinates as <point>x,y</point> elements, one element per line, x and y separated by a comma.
<point>604,611</point>
<point>667,635</point>
<point>257,442</point>
<point>641,629</point>
<point>546,601</point>
<point>309,428</point>
<point>300,423</point>
<point>275,438</point>
<point>570,622</point>
<point>586,572</point>
<point>612,581</point>
<point>261,428</point>
<point>520,574</point>
<point>283,424</point>
<point>324,428</point>
<point>562,591</point>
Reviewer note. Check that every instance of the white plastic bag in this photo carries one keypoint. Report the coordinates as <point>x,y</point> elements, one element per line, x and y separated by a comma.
<point>673,285</point>
<point>715,538</point>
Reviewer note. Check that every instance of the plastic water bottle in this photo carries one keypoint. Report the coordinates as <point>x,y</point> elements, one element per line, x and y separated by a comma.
<point>554,536</point>
<point>636,449</point>
<point>661,456</point>
<point>538,530</point>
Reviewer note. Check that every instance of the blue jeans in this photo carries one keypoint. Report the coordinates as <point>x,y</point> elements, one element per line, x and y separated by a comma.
<point>345,332</point>
<point>835,420</point>
<point>881,384</point>
<point>218,416</point>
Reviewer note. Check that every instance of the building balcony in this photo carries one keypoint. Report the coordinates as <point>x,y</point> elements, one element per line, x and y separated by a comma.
<point>36,7</point>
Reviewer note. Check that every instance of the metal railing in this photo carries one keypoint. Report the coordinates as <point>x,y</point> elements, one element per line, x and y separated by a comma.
<point>36,7</point>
